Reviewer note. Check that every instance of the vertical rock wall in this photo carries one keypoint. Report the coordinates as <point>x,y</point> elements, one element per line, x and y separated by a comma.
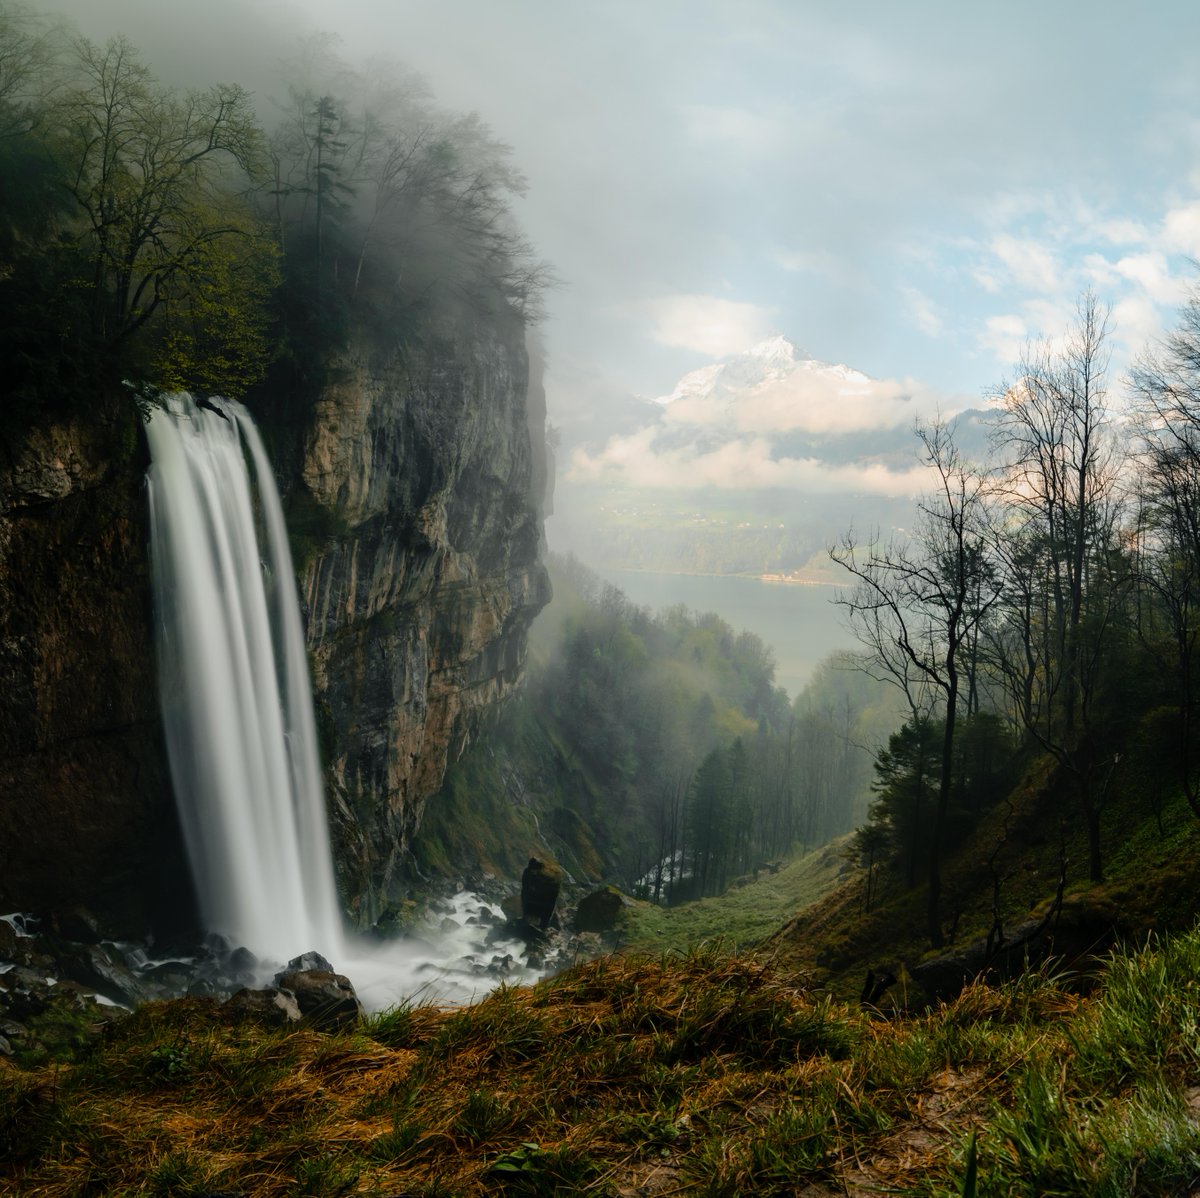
<point>420,602</point>
<point>419,568</point>
<point>85,807</point>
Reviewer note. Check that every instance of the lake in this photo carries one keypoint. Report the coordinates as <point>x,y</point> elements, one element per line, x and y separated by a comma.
<point>799,622</point>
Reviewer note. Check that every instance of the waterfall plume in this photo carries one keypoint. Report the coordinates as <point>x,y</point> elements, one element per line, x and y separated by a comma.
<point>234,683</point>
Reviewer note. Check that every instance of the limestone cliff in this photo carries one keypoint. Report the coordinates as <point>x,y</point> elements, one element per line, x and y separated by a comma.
<point>415,489</point>
<point>419,605</point>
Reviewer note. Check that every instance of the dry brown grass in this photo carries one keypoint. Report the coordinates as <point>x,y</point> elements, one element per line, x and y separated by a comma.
<point>626,1076</point>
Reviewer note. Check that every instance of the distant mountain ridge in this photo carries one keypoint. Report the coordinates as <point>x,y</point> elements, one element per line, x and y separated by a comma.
<point>754,463</point>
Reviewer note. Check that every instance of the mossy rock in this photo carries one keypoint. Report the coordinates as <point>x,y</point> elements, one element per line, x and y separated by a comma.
<point>601,910</point>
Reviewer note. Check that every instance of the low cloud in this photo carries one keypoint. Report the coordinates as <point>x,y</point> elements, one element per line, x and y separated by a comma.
<point>1181,229</point>
<point>923,313</point>
<point>1031,264</point>
<point>707,324</point>
<point>741,130</point>
<point>1006,336</point>
<point>769,420</point>
<point>821,401</point>
<point>743,464</point>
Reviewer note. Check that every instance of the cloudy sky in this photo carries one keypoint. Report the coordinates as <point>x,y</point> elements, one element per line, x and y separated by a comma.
<point>913,189</point>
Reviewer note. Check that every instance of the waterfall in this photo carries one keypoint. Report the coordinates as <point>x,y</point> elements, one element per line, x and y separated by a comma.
<point>235,690</point>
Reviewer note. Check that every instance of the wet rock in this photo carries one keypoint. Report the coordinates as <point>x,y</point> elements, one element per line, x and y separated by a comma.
<point>510,904</point>
<point>326,999</point>
<point>600,910</point>
<point>271,1007</point>
<point>588,944</point>
<point>242,960</point>
<point>94,966</point>
<point>13,1031</point>
<point>11,947</point>
<point>216,944</point>
<point>540,884</point>
<point>24,992</point>
<point>76,923</point>
<point>305,961</point>
<point>449,925</point>
<point>172,976</point>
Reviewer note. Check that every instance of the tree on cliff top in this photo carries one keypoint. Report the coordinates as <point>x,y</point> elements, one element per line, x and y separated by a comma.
<point>155,177</point>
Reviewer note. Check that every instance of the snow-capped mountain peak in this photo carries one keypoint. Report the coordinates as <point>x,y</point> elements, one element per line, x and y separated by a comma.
<point>770,362</point>
<point>775,349</point>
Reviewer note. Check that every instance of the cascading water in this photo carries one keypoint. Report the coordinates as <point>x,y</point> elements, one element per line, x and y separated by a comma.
<point>236,696</point>
<point>237,708</point>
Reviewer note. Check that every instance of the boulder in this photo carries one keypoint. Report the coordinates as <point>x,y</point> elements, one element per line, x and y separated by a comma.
<point>326,999</point>
<point>309,960</point>
<point>271,1007</point>
<point>540,884</point>
<point>11,946</point>
<point>94,966</point>
<point>76,923</point>
<point>600,910</point>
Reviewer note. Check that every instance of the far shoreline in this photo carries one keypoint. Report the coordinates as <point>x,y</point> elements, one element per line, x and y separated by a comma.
<point>772,578</point>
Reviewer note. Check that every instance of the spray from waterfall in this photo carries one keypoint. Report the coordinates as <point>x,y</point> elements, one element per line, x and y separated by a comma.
<point>234,682</point>
<point>238,715</point>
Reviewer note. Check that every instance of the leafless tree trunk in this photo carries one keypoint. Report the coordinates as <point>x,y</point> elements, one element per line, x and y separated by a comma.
<point>917,605</point>
<point>1056,546</point>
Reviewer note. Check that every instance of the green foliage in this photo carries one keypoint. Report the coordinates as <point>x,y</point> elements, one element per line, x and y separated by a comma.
<point>215,334</point>
<point>529,1169</point>
<point>649,747</point>
<point>154,234</point>
<point>906,780</point>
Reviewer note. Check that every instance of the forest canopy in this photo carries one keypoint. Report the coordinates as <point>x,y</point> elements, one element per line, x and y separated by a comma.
<point>203,238</point>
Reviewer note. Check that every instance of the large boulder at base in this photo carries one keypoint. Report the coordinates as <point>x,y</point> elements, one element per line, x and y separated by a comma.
<point>271,1007</point>
<point>94,966</point>
<point>600,910</point>
<point>540,884</point>
<point>326,1000</point>
<point>309,960</point>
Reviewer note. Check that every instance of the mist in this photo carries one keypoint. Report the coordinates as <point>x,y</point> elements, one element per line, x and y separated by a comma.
<point>876,187</point>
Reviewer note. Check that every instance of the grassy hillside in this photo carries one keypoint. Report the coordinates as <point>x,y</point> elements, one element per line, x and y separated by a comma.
<point>745,915</point>
<point>1011,866</point>
<point>640,738</point>
<point>684,1075</point>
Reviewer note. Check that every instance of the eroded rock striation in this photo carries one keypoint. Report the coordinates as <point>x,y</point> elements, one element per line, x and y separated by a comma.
<point>420,602</point>
<point>420,476</point>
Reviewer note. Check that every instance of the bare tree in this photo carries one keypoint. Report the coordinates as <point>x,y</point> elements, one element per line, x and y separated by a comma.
<point>917,606</point>
<point>1056,545</point>
<point>1166,384</point>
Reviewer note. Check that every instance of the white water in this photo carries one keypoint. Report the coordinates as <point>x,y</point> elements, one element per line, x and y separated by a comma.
<point>237,709</point>
<point>235,690</point>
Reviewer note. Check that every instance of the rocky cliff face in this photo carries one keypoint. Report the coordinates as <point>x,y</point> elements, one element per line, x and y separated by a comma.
<point>419,570</point>
<point>85,810</point>
<point>419,605</point>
